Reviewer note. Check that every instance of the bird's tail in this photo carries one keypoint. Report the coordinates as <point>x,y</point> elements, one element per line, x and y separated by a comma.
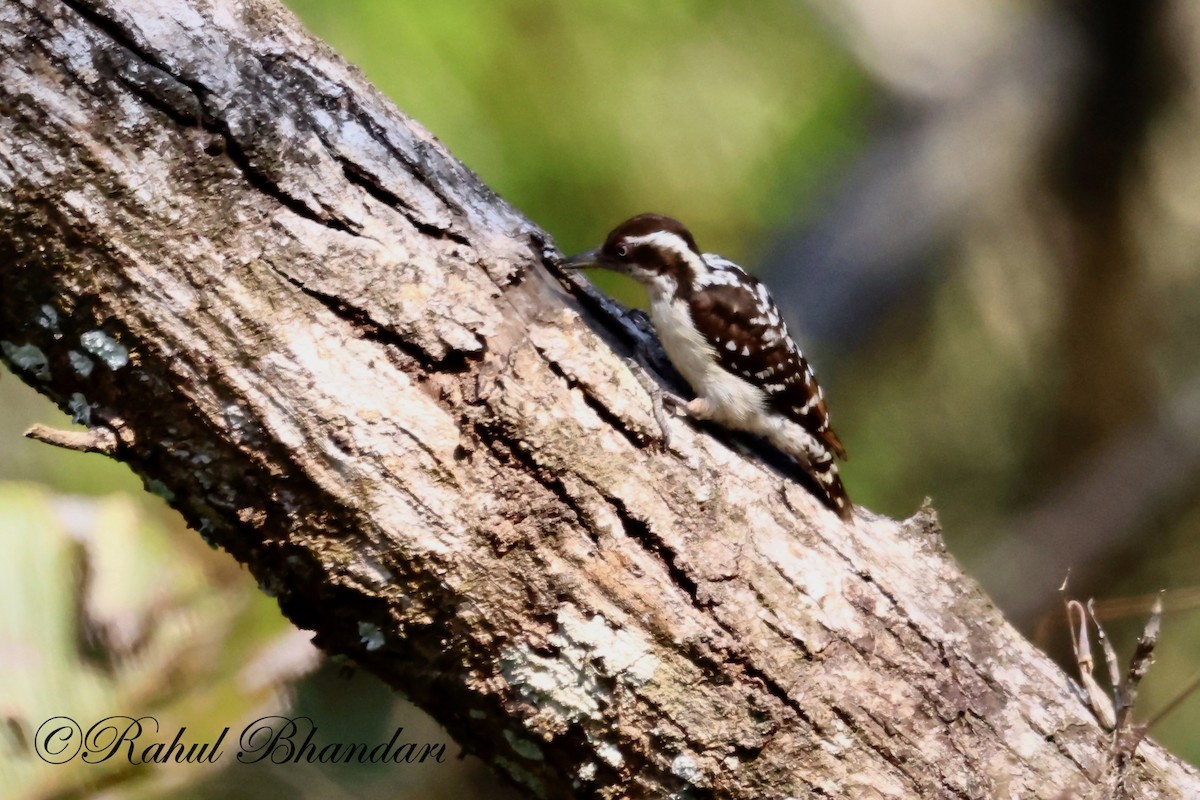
<point>825,472</point>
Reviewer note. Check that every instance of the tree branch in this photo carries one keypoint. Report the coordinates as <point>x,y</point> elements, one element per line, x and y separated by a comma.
<point>346,361</point>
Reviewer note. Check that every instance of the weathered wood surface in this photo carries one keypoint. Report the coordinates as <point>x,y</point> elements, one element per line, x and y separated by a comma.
<point>347,362</point>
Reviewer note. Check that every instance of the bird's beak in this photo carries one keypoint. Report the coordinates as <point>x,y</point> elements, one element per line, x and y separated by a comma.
<point>588,258</point>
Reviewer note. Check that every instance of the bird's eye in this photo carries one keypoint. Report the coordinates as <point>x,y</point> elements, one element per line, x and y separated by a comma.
<point>622,251</point>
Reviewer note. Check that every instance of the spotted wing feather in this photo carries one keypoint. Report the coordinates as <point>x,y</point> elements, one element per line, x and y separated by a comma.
<point>738,316</point>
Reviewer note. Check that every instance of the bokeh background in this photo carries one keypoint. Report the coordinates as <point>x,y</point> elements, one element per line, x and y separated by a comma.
<point>983,223</point>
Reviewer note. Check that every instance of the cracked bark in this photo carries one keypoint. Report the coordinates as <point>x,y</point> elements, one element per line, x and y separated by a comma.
<point>347,362</point>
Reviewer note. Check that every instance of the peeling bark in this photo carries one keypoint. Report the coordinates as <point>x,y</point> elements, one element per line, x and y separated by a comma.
<point>347,362</point>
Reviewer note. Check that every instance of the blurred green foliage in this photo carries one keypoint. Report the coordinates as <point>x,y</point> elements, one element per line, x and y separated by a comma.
<point>583,114</point>
<point>105,611</point>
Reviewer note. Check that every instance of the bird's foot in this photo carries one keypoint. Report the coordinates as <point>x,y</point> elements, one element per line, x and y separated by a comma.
<point>660,402</point>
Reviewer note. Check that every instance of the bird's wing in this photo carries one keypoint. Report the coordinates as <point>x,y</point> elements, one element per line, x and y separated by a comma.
<point>741,321</point>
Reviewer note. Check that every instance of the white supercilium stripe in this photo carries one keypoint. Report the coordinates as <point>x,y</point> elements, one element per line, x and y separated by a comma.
<point>665,240</point>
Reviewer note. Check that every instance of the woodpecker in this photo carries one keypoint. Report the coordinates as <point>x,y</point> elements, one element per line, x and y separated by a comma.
<point>724,334</point>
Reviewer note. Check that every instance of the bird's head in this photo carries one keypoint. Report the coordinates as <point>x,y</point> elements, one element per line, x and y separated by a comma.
<point>648,248</point>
